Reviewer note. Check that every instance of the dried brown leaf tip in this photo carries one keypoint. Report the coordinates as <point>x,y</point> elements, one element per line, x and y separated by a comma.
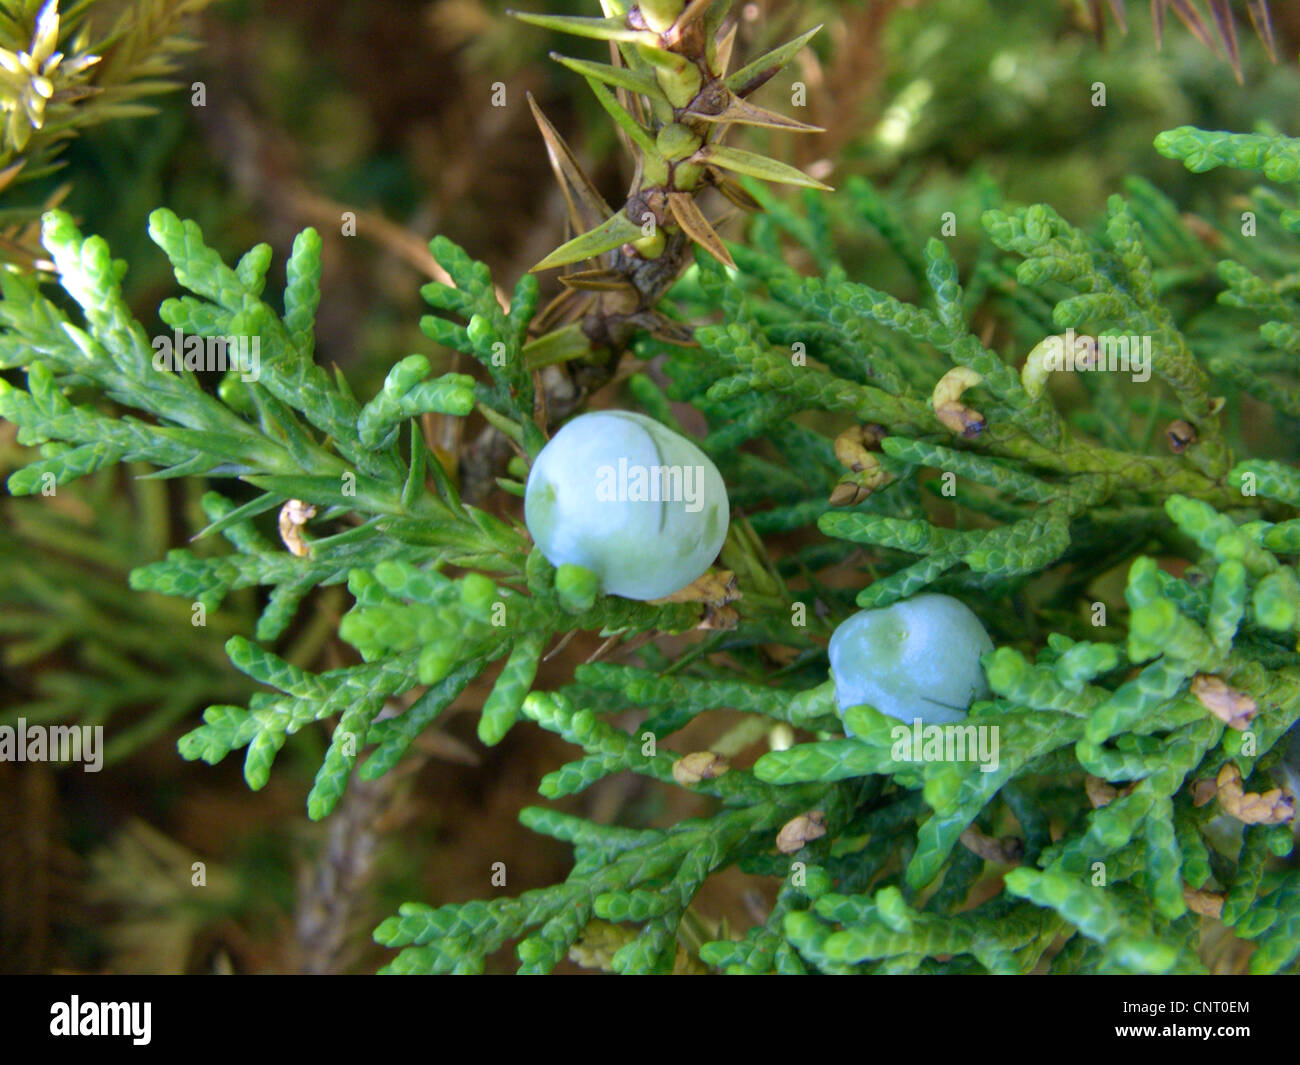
<point>1180,435</point>
<point>293,516</point>
<point>687,215</point>
<point>716,590</point>
<point>1101,793</point>
<point>853,448</point>
<point>855,487</point>
<point>798,832</point>
<point>1272,807</point>
<point>716,586</point>
<point>1206,903</point>
<point>1005,851</point>
<point>719,618</point>
<point>1204,791</point>
<point>1233,708</point>
<point>847,493</point>
<point>955,415</point>
<point>698,766</point>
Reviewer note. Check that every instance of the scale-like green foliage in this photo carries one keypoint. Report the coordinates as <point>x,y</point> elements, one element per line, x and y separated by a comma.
<point>1120,727</point>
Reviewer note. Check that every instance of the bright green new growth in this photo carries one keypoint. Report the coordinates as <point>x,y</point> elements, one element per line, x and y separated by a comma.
<point>1051,504</point>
